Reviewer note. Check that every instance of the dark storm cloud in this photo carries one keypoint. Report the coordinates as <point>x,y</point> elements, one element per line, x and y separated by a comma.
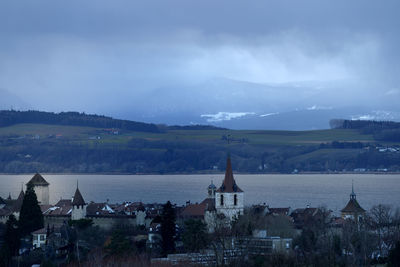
<point>118,55</point>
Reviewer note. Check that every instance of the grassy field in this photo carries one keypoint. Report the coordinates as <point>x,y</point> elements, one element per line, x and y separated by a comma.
<point>209,136</point>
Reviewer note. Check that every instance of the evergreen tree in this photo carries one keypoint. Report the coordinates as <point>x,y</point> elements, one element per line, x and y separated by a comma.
<point>168,229</point>
<point>195,235</point>
<point>11,240</point>
<point>31,217</point>
<point>119,244</point>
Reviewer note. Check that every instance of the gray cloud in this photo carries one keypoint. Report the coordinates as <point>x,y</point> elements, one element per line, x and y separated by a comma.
<point>131,57</point>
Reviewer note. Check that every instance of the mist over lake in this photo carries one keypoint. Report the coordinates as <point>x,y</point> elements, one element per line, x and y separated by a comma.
<point>295,191</point>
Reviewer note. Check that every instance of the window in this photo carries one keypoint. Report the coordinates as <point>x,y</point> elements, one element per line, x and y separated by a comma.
<point>235,199</point>
<point>41,237</point>
<point>222,200</point>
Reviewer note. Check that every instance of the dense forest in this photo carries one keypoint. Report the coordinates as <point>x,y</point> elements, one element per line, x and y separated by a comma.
<point>79,143</point>
<point>382,130</point>
<point>11,117</point>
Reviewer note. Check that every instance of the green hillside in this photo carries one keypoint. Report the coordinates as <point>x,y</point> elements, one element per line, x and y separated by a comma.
<point>30,147</point>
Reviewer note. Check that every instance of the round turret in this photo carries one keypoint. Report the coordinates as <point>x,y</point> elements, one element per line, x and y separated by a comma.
<point>211,190</point>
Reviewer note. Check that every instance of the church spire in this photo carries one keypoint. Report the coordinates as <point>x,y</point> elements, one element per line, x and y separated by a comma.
<point>229,183</point>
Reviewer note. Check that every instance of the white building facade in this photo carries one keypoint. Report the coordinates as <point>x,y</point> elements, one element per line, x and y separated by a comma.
<point>78,206</point>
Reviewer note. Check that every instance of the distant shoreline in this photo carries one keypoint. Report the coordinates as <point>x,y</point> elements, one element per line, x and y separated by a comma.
<point>208,173</point>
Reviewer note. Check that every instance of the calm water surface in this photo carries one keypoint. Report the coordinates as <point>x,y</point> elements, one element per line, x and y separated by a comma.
<point>295,191</point>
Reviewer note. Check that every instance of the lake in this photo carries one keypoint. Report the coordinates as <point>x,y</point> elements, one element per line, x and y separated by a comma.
<point>277,190</point>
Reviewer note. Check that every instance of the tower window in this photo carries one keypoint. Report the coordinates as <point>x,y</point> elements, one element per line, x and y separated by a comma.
<point>222,200</point>
<point>235,199</point>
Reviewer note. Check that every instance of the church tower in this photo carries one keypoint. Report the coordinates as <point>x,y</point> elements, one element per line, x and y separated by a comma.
<point>41,188</point>
<point>353,210</point>
<point>229,198</point>
<point>78,206</point>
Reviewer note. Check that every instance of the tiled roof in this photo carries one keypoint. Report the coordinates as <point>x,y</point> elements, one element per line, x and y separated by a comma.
<point>44,208</point>
<point>194,210</point>
<point>281,211</point>
<point>64,202</point>
<point>100,209</point>
<point>62,208</point>
<point>198,210</point>
<point>302,217</point>
<point>353,206</point>
<point>210,203</point>
<point>38,179</point>
<point>229,183</point>
<point>40,231</point>
<point>5,211</point>
<point>129,207</point>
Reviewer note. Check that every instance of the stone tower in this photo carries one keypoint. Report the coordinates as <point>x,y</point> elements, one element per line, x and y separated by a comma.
<point>41,188</point>
<point>229,198</point>
<point>78,206</point>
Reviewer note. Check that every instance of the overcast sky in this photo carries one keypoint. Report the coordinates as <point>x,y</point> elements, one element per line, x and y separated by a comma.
<point>112,57</point>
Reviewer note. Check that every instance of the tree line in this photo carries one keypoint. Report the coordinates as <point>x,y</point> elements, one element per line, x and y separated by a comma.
<point>11,117</point>
<point>162,156</point>
<point>388,131</point>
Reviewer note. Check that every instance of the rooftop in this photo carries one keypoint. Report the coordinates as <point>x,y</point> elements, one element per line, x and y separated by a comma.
<point>38,179</point>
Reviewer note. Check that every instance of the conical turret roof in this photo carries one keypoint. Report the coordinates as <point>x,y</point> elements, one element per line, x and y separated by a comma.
<point>229,183</point>
<point>212,185</point>
<point>352,205</point>
<point>37,179</point>
<point>78,199</point>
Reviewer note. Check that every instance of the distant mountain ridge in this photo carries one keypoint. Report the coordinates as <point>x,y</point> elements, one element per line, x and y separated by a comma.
<point>11,117</point>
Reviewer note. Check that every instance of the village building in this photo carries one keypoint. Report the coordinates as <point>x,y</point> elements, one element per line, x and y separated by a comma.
<point>104,215</point>
<point>78,206</point>
<point>41,187</point>
<point>229,198</point>
<point>303,217</point>
<point>223,204</point>
<point>39,238</point>
<point>353,210</point>
<point>11,206</point>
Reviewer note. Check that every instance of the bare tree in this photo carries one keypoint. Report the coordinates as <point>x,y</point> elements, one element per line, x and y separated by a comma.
<point>379,219</point>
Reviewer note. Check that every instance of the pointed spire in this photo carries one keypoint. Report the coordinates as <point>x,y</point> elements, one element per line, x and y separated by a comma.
<point>229,183</point>
<point>353,205</point>
<point>78,199</point>
<point>9,196</point>
<point>352,195</point>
